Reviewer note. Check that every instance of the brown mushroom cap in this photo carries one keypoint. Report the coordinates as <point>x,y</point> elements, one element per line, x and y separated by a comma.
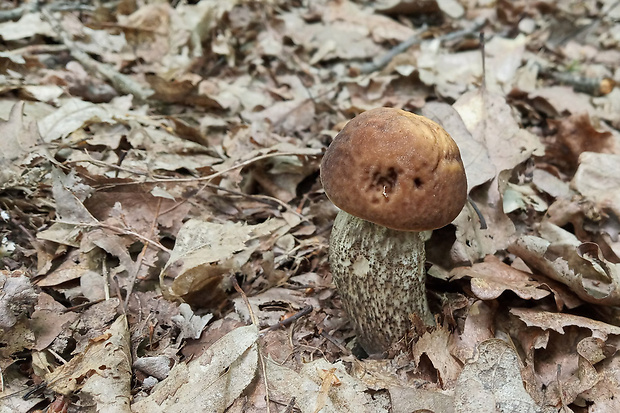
<point>396,169</point>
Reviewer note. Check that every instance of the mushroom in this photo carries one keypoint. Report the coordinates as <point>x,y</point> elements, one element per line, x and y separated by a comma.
<point>394,175</point>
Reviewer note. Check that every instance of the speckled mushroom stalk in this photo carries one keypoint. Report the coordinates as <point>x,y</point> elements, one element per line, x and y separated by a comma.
<point>394,175</point>
<point>379,273</point>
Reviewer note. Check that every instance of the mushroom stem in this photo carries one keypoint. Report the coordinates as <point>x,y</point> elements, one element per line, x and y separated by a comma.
<point>380,275</point>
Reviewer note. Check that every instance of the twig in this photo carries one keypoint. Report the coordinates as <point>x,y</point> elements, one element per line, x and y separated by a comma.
<point>484,62</point>
<point>335,342</point>
<point>483,222</point>
<point>241,165</point>
<point>382,61</point>
<point>261,198</point>
<point>255,322</point>
<point>109,165</point>
<point>290,406</point>
<point>560,390</point>
<point>588,27</point>
<point>140,259</point>
<point>34,49</point>
<point>265,199</point>
<point>591,86</point>
<point>57,356</point>
<point>119,294</point>
<point>117,230</point>
<point>290,320</point>
<point>106,284</point>
<point>245,300</point>
<point>83,305</point>
<point>156,180</point>
<point>121,82</point>
<point>35,5</point>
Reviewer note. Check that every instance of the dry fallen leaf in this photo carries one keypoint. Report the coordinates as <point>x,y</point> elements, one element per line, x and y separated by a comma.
<point>211,382</point>
<point>492,277</point>
<point>580,266</point>
<point>598,180</point>
<point>14,151</point>
<point>350,396</point>
<point>205,252</point>
<point>17,298</point>
<point>575,135</point>
<point>489,119</point>
<point>491,382</point>
<point>557,321</point>
<point>101,373</point>
<point>478,165</point>
<point>434,344</point>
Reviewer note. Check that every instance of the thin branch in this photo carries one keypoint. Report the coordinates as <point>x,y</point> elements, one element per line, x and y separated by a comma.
<point>140,259</point>
<point>290,320</point>
<point>153,179</point>
<point>255,322</point>
<point>123,83</point>
<point>117,230</point>
<point>265,199</point>
<point>484,61</point>
<point>241,165</point>
<point>483,222</point>
<point>382,61</point>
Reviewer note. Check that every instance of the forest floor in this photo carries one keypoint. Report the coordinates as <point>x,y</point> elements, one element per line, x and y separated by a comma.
<point>164,232</point>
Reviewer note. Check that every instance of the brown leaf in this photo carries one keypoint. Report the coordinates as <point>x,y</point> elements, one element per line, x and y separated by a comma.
<point>224,371</point>
<point>478,327</point>
<point>49,320</point>
<point>17,298</point>
<point>489,279</point>
<point>204,252</point>
<point>575,134</point>
<point>434,344</point>
<point>558,321</point>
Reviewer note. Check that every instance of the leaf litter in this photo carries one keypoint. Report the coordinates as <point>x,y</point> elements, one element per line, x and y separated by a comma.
<point>164,234</point>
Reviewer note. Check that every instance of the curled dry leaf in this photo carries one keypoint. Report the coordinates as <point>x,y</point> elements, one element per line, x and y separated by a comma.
<point>580,266</point>
<point>205,252</point>
<point>435,345</point>
<point>558,321</point>
<point>190,324</point>
<point>603,396</point>
<point>489,279</point>
<point>478,327</point>
<point>567,368</point>
<point>489,119</point>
